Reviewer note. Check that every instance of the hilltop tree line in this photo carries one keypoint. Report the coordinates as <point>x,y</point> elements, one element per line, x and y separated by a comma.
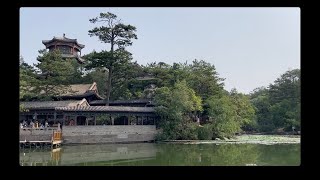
<point>190,97</point>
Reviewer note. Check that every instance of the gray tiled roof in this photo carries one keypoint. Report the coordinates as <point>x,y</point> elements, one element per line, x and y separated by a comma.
<point>77,89</point>
<point>89,93</point>
<point>49,104</point>
<point>134,101</point>
<point>63,39</point>
<point>107,109</point>
<point>98,102</point>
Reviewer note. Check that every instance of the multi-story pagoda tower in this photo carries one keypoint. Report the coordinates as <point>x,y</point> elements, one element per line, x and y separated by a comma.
<point>69,48</point>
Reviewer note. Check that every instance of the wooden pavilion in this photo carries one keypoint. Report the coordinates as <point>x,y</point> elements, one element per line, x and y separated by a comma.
<point>69,48</point>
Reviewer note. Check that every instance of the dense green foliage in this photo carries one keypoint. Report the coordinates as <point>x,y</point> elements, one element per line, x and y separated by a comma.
<point>221,115</point>
<point>177,107</point>
<point>99,76</point>
<point>278,106</point>
<point>55,74</point>
<point>124,73</point>
<point>48,78</point>
<point>27,78</point>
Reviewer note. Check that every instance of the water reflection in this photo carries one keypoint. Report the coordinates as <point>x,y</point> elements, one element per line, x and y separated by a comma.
<point>40,157</point>
<point>88,154</point>
<point>228,155</point>
<point>149,154</point>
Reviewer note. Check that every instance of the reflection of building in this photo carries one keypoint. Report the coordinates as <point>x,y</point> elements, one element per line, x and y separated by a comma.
<point>89,154</point>
<point>69,48</point>
<point>35,157</point>
<point>56,155</point>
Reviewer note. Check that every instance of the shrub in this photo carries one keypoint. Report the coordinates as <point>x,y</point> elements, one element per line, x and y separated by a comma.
<point>205,132</point>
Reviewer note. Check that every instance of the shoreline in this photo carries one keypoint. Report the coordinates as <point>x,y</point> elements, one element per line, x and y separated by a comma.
<point>244,139</point>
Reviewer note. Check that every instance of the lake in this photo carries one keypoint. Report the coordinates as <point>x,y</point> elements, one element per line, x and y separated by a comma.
<point>160,154</point>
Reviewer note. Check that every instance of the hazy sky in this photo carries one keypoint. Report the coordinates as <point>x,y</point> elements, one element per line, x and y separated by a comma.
<point>250,47</point>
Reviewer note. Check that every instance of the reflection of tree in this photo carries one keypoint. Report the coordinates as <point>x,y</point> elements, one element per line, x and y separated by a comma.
<point>280,155</point>
<point>208,155</point>
<point>227,154</point>
<point>234,154</point>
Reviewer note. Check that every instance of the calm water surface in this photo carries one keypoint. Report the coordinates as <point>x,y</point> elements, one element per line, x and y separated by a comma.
<point>151,154</point>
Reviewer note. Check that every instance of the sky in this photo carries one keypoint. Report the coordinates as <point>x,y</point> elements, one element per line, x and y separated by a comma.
<point>249,47</point>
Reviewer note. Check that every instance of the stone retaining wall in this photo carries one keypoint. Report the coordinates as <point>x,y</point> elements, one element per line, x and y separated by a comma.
<point>35,135</point>
<point>108,134</point>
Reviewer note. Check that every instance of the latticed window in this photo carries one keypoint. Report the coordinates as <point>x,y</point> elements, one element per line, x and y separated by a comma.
<point>65,49</point>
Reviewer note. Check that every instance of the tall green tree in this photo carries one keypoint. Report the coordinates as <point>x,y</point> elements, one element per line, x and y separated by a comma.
<point>244,109</point>
<point>126,86</point>
<point>78,72</point>
<point>278,106</point>
<point>120,65</point>
<point>98,75</point>
<point>223,116</point>
<point>27,78</point>
<point>54,74</point>
<point>162,72</point>
<point>176,106</point>
<point>204,79</point>
<point>201,76</point>
<point>286,87</point>
<point>115,33</point>
<point>261,102</point>
<point>286,99</point>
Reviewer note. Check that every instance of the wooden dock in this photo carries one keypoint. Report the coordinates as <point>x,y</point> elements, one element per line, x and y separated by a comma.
<point>40,138</point>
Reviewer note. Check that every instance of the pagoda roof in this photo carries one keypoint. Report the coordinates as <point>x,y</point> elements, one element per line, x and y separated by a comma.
<point>63,39</point>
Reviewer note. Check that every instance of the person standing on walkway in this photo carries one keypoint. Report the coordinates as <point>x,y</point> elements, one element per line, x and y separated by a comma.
<point>46,125</point>
<point>31,124</point>
<point>59,129</point>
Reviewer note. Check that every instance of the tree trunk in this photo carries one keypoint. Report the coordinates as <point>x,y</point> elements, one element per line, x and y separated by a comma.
<point>109,86</point>
<point>110,75</point>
